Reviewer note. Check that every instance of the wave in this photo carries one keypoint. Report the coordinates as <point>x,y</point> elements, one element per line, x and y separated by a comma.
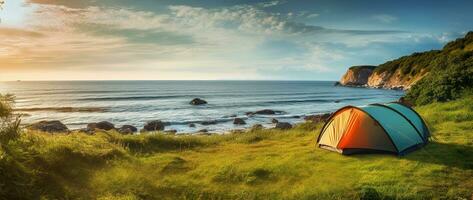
<point>125,98</point>
<point>64,109</point>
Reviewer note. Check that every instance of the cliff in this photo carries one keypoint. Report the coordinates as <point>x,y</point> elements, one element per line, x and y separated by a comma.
<point>357,75</point>
<point>404,72</point>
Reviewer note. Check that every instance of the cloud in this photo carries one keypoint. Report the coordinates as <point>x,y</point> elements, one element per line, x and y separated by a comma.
<point>67,36</point>
<point>384,18</point>
<point>67,3</point>
<point>16,32</point>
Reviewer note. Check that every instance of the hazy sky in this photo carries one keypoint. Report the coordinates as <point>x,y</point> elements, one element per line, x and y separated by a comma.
<point>172,39</point>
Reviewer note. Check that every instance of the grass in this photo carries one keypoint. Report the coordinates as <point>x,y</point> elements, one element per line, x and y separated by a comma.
<point>260,164</point>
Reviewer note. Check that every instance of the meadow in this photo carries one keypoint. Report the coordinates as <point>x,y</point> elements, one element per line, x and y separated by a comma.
<point>258,164</point>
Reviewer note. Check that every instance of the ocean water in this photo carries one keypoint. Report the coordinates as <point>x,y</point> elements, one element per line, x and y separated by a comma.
<point>136,102</point>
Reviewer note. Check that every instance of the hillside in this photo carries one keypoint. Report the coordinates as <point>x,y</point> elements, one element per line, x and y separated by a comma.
<point>260,164</point>
<point>405,72</point>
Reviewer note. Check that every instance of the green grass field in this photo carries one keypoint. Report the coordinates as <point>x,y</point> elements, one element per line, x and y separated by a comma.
<point>262,164</point>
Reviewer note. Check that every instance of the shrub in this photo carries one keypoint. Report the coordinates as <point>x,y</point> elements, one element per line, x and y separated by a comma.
<point>445,85</point>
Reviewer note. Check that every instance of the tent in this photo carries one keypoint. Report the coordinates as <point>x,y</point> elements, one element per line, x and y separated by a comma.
<point>375,128</point>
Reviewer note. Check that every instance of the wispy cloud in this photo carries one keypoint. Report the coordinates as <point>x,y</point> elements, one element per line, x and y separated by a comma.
<point>223,40</point>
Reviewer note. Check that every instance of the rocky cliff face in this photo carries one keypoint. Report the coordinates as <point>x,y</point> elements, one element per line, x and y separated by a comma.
<point>395,80</point>
<point>367,76</point>
<point>357,76</point>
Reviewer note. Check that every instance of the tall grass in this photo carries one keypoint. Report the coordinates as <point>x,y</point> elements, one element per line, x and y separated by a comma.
<point>259,164</point>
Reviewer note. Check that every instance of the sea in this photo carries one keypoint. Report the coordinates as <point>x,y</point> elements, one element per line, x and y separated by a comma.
<point>77,103</point>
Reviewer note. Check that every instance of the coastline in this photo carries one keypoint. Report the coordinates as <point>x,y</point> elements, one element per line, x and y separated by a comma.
<point>56,126</point>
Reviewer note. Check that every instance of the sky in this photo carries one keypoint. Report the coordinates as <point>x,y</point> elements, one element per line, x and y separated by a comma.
<point>217,40</point>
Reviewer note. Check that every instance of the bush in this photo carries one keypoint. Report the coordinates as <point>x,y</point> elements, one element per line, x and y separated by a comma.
<point>444,85</point>
<point>15,179</point>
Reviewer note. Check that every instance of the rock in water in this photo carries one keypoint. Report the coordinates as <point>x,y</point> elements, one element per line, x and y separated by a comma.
<point>127,129</point>
<point>156,125</point>
<point>192,125</point>
<point>101,125</point>
<point>198,101</point>
<point>239,121</point>
<point>283,125</point>
<point>49,126</point>
<point>274,121</point>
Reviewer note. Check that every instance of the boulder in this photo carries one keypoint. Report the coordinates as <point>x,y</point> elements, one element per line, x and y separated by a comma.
<point>49,126</point>
<point>318,118</point>
<point>156,125</point>
<point>283,125</point>
<point>203,131</point>
<point>104,125</point>
<point>274,121</point>
<point>198,101</point>
<point>192,125</point>
<point>127,129</point>
<point>239,121</point>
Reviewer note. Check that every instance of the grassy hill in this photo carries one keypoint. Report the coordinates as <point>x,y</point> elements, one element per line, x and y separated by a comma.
<point>260,164</point>
<point>447,73</point>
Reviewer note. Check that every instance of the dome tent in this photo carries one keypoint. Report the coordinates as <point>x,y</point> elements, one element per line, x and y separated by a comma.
<point>375,128</point>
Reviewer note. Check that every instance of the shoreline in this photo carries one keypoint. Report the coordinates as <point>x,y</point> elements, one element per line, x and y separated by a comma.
<point>204,127</point>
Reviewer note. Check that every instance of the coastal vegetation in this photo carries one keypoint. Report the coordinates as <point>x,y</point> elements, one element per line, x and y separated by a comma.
<point>431,76</point>
<point>258,164</point>
<point>447,73</point>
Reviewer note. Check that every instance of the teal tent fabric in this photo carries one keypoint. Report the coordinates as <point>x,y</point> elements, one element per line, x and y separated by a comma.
<point>412,116</point>
<point>402,125</point>
<point>403,134</point>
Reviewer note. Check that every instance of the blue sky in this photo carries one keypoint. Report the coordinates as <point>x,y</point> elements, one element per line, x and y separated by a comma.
<point>243,40</point>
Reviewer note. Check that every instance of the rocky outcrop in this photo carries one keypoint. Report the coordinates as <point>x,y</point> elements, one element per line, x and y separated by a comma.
<point>283,125</point>
<point>392,80</point>
<point>104,125</point>
<point>49,126</point>
<point>317,118</point>
<point>156,125</point>
<point>198,101</point>
<point>127,129</point>
<point>357,75</point>
<point>239,121</point>
<point>369,76</point>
